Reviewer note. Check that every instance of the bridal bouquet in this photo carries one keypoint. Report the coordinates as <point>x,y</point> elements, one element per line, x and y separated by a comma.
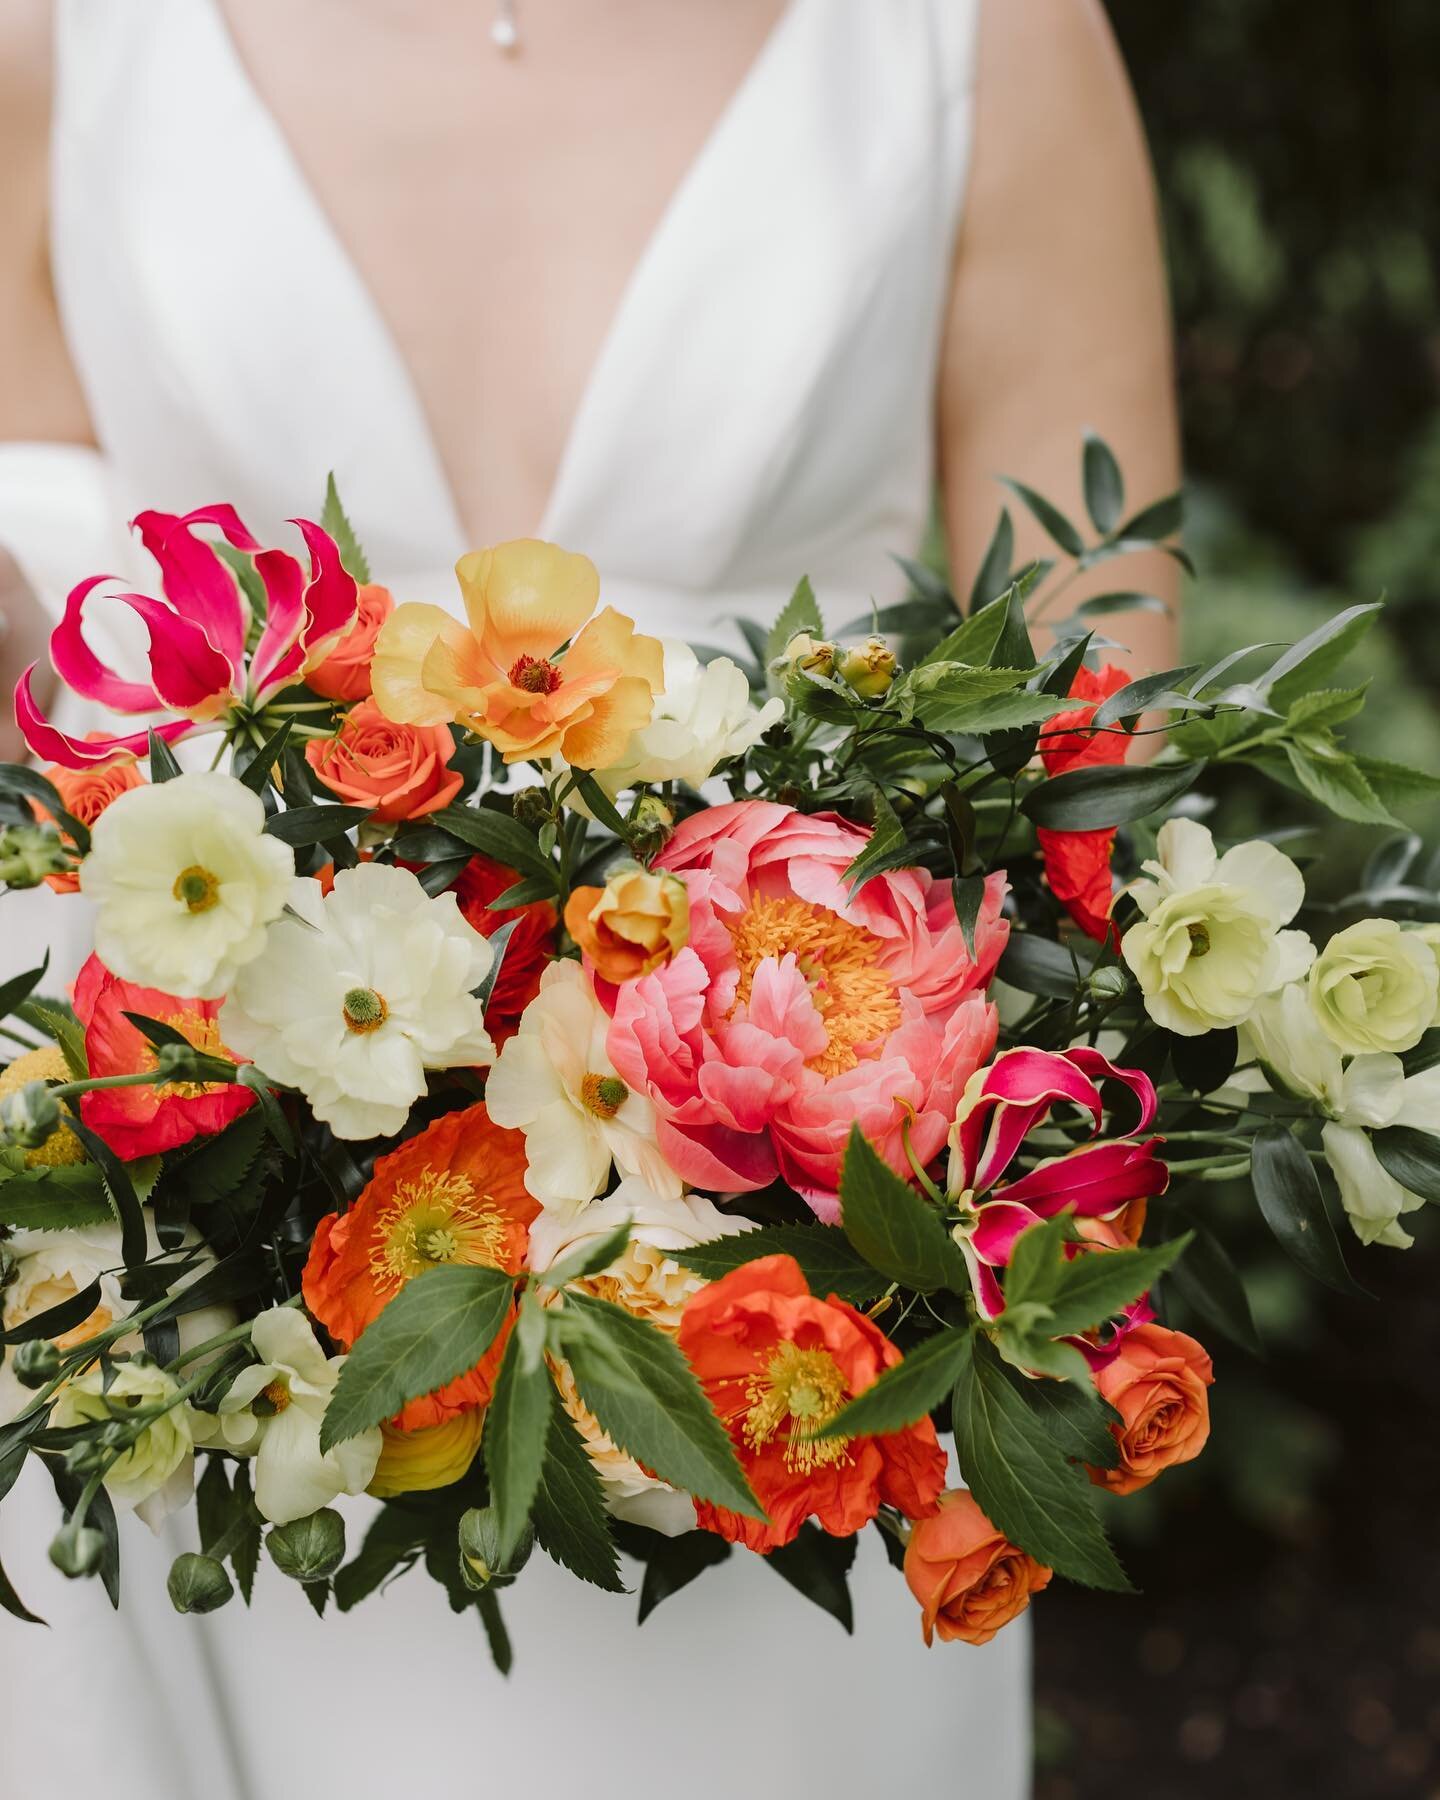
<point>587,1094</point>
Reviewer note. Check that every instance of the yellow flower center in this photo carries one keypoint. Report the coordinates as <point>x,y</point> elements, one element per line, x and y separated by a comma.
<point>436,1218</point>
<point>364,1010</point>
<point>273,1398</point>
<point>535,675</point>
<point>197,889</point>
<point>854,996</point>
<point>204,1034</point>
<point>603,1095</point>
<point>797,1391</point>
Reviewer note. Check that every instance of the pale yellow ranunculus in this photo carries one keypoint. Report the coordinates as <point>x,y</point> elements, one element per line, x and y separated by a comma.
<point>157,1473</point>
<point>1374,987</point>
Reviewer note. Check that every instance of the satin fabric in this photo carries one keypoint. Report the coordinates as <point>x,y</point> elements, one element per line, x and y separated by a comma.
<point>762,407</point>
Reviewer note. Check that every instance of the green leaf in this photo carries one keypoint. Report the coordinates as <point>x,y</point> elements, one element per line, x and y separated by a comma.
<point>334,521</point>
<point>590,1259</point>
<point>950,697</point>
<point>1207,1280</point>
<point>392,1544</point>
<point>1337,783</point>
<point>602,807</point>
<point>258,1082</point>
<point>163,766</point>
<point>1077,1419</point>
<point>827,1260</point>
<point>57,1020</point>
<point>19,987</point>
<point>674,1563</point>
<point>499,837</point>
<point>62,1199</point>
<point>1311,662</point>
<point>887,840</point>
<point>1013,649</point>
<point>257,768</point>
<point>64,1316</point>
<point>1104,485</point>
<point>1292,1205</point>
<point>516,1428</point>
<point>817,1566</point>
<point>1038,965</point>
<point>487,1603</point>
<point>968,893</point>
<point>800,613</point>
<point>133,1244</point>
<point>993,576</point>
<point>20,778</point>
<point>973,642</point>
<point>436,1328</point>
<point>1153,523</point>
<point>907,1392</point>
<point>1326,707</point>
<point>640,1387</point>
<point>929,596</point>
<point>1096,1286</point>
<point>1020,1476</point>
<point>302,825</point>
<point>569,1511</point>
<point>1048,516</point>
<point>1411,1157</point>
<point>1093,799</point>
<point>1396,784</point>
<point>892,1227</point>
<point>1149,693</point>
<point>1100,606</point>
<point>218,1167</point>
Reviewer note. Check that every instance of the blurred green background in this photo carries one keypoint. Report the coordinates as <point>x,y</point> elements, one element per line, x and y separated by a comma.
<point>1287,1643</point>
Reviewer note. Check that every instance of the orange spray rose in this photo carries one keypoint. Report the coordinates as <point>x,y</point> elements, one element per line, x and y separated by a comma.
<point>345,673</point>
<point>634,924</point>
<point>85,793</point>
<point>398,771</point>
<point>968,1577</point>
<point>1157,1383</point>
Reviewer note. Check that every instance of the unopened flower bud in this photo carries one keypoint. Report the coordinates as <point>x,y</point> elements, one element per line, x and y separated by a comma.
<point>9,1267</point>
<point>867,667</point>
<point>36,1362</point>
<point>85,1456</point>
<point>651,826</point>
<point>198,1584</point>
<point>29,1116</point>
<point>533,808</point>
<point>77,1550</point>
<point>481,1563</point>
<point>815,656</point>
<point>28,853</point>
<point>183,1062</point>
<point>309,1549</point>
<point>1108,983</point>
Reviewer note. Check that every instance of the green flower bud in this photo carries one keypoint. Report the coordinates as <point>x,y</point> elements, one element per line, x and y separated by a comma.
<point>85,1456</point>
<point>533,808</point>
<point>183,1062</point>
<point>30,1116</point>
<point>77,1550</point>
<point>651,826</point>
<point>481,1564</point>
<point>1108,983</point>
<point>309,1549</point>
<point>868,667</point>
<point>36,1362</point>
<point>9,1267</point>
<point>198,1584</point>
<point>28,853</point>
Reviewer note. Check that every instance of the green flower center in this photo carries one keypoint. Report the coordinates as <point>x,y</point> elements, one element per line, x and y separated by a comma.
<point>1199,940</point>
<point>364,1009</point>
<point>197,889</point>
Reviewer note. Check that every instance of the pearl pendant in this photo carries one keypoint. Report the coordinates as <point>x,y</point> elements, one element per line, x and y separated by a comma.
<point>505,33</point>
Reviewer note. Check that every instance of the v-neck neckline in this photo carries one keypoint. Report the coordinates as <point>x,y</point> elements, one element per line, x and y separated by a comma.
<point>608,358</point>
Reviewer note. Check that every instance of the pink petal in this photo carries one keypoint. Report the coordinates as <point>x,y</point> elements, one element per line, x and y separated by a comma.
<point>82,671</point>
<point>1001,1223</point>
<point>1092,1181</point>
<point>277,657</point>
<point>194,579</point>
<point>190,674</point>
<point>51,745</point>
<point>330,596</point>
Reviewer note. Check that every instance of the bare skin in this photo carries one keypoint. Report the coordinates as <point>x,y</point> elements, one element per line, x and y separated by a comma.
<point>499,289</point>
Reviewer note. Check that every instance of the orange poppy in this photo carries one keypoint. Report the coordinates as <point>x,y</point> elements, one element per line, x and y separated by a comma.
<point>777,1363</point>
<point>453,1194</point>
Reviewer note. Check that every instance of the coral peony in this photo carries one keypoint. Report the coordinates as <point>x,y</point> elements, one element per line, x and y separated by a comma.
<point>85,793</point>
<point>777,1363</point>
<point>142,1121</point>
<point>504,675</point>
<point>398,771</point>
<point>344,675</point>
<point>453,1194</point>
<point>968,1577</point>
<point>1156,1381</point>
<point>797,1010</point>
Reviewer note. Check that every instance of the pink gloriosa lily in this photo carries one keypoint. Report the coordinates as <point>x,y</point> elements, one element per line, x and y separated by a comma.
<point>198,632</point>
<point>1093,1181</point>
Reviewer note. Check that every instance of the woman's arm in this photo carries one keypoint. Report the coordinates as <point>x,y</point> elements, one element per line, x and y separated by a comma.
<point>40,397</point>
<point>1059,318</point>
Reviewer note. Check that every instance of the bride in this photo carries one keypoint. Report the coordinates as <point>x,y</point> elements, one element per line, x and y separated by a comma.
<point>715,293</point>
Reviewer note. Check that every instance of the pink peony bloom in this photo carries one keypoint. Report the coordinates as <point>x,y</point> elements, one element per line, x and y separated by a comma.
<point>795,1011</point>
<point>198,664</point>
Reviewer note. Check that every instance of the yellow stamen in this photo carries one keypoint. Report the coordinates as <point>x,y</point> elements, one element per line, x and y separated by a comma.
<point>854,996</point>
<point>436,1218</point>
<point>197,888</point>
<point>603,1095</point>
<point>799,1391</point>
<point>276,1397</point>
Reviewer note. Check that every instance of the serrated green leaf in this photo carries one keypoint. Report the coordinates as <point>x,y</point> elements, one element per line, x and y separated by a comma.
<point>569,1513</point>
<point>909,1391</point>
<point>516,1427</point>
<point>1101,1283</point>
<point>973,642</point>
<point>56,1019</point>
<point>800,613</point>
<point>436,1328</point>
<point>62,1199</point>
<point>334,521</point>
<point>887,840</point>
<point>590,1259</point>
<point>1338,784</point>
<point>1077,1419</point>
<point>892,1228</point>
<point>826,1257</point>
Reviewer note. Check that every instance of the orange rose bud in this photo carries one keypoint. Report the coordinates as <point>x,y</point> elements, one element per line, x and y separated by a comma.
<point>969,1579</point>
<point>398,771</point>
<point>85,793</point>
<point>345,672</point>
<point>1157,1383</point>
<point>634,924</point>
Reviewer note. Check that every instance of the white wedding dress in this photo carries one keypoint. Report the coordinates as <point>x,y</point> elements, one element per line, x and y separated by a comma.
<point>762,407</point>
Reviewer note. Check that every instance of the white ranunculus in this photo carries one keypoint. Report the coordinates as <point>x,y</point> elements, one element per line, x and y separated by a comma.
<point>1374,987</point>
<point>157,1473</point>
<point>185,880</point>
<point>1210,944</point>
<point>703,718</point>
<point>274,1410</point>
<point>555,1082</point>
<point>358,993</point>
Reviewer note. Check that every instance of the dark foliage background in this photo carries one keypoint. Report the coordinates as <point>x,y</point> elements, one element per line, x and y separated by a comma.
<point>1288,1639</point>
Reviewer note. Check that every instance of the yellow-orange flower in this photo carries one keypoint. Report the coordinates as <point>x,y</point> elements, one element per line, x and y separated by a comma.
<point>414,1462</point>
<point>503,675</point>
<point>635,923</point>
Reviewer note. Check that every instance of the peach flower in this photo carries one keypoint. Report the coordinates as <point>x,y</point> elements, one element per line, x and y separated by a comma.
<point>85,793</point>
<point>969,1579</point>
<point>1156,1382</point>
<point>503,674</point>
<point>398,771</point>
<point>634,924</point>
<point>345,673</point>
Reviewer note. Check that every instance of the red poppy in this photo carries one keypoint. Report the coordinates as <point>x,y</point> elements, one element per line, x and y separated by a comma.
<point>530,946</point>
<point>1077,863</point>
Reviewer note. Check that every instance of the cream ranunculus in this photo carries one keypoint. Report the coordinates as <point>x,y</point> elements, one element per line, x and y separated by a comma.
<point>649,1279</point>
<point>555,1082</point>
<point>1210,944</point>
<point>359,992</point>
<point>157,1473</point>
<point>185,880</point>
<point>703,718</point>
<point>1374,987</point>
<point>274,1410</point>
